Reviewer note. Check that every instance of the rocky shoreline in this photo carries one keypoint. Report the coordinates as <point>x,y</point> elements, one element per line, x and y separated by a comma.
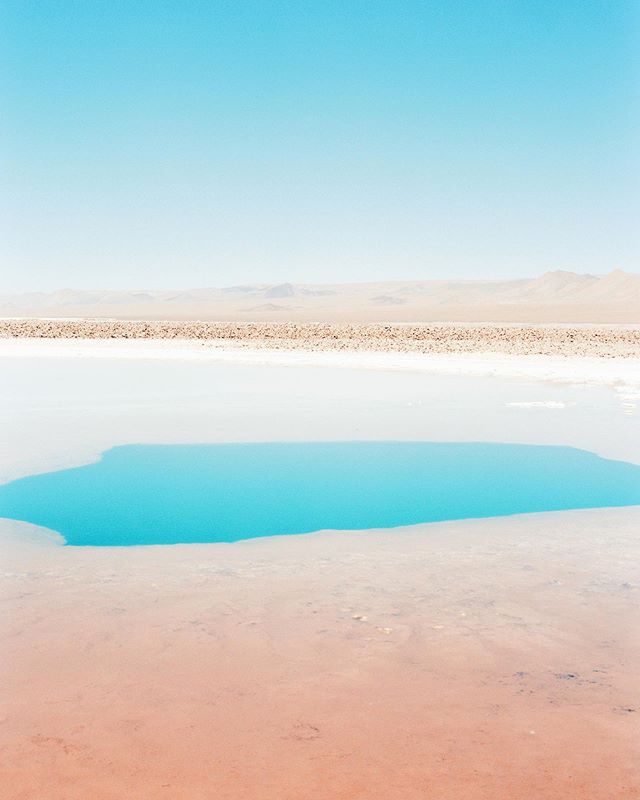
<point>601,341</point>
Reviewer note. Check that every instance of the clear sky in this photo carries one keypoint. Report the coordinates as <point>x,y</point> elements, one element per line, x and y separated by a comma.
<point>165,144</point>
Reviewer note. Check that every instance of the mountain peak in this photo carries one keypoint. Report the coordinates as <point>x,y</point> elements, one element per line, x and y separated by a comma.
<point>280,290</point>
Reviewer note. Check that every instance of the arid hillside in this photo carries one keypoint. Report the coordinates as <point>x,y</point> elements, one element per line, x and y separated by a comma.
<point>553,297</point>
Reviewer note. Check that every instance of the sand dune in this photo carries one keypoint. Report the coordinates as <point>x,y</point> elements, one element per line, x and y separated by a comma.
<point>554,297</point>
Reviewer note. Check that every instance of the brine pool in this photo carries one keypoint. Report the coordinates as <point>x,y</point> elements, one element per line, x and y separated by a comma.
<point>169,494</point>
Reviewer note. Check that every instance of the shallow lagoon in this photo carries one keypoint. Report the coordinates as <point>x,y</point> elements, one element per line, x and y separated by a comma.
<point>166,494</point>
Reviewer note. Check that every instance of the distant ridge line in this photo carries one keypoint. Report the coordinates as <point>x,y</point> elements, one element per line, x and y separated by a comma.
<point>558,296</point>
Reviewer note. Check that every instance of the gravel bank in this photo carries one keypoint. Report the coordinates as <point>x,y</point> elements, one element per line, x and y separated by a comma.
<point>604,342</point>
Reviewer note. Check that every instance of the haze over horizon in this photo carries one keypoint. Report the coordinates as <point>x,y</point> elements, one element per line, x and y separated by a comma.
<point>558,296</point>
<point>266,284</point>
<point>199,144</point>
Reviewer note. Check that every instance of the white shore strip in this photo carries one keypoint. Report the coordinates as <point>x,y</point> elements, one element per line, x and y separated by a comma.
<point>622,374</point>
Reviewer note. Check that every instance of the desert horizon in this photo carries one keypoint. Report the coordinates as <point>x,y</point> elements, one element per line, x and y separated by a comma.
<point>553,297</point>
<point>320,408</point>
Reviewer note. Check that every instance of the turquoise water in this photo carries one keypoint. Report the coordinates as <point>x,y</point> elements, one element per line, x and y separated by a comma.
<point>165,494</point>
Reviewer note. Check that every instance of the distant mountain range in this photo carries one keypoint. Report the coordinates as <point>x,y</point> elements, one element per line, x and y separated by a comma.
<point>553,297</point>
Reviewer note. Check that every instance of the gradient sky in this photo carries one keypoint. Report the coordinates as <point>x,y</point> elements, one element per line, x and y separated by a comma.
<point>160,144</point>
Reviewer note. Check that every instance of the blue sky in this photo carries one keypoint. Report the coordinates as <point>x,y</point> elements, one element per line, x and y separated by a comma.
<point>160,144</point>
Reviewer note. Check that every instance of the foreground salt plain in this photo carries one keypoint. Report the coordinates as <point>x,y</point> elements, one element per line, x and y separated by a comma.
<point>478,659</point>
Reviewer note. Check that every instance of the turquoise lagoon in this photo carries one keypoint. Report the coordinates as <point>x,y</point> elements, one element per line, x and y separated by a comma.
<point>167,494</point>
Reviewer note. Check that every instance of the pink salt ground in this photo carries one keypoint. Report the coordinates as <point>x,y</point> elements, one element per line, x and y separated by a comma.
<point>483,660</point>
<point>493,660</point>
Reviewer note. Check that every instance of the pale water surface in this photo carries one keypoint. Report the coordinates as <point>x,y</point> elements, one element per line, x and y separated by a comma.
<point>164,494</point>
